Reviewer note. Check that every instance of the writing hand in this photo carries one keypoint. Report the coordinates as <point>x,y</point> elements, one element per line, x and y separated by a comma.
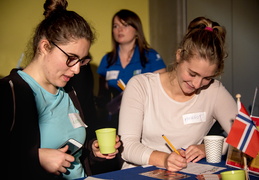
<point>175,162</point>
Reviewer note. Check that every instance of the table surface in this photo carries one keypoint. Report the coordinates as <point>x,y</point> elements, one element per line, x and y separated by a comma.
<point>133,173</point>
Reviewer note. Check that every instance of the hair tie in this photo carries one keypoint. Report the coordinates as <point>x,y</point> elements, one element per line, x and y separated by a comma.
<point>209,29</point>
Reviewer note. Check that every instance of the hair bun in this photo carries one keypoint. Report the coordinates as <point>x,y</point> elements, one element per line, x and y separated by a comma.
<point>54,5</point>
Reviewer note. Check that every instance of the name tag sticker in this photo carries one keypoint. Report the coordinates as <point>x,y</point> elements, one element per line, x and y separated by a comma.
<point>194,118</point>
<point>138,71</point>
<point>112,75</point>
<point>76,120</point>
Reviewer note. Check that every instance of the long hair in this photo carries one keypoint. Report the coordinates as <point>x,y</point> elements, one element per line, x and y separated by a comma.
<point>133,20</point>
<point>206,39</point>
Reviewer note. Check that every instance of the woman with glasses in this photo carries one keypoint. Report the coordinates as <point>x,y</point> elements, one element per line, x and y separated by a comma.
<point>39,111</point>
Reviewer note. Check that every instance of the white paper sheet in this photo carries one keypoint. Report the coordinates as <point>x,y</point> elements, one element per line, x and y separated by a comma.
<point>197,168</point>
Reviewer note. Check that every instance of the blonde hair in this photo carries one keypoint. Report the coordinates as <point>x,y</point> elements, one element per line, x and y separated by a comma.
<point>206,39</point>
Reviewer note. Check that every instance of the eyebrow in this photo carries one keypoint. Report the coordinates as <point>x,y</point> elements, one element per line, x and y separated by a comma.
<point>85,57</point>
<point>212,76</point>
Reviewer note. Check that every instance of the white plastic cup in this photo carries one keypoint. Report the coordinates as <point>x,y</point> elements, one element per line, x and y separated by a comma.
<point>213,148</point>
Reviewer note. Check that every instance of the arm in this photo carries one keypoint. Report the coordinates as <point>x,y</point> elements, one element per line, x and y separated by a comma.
<point>225,109</point>
<point>157,63</point>
<point>130,128</point>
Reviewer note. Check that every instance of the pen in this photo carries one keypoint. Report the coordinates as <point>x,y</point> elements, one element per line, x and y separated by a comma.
<point>170,144</point>
<point>183,149</point>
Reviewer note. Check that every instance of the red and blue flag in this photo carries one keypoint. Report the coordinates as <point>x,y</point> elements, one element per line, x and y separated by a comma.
<point>244,134</point>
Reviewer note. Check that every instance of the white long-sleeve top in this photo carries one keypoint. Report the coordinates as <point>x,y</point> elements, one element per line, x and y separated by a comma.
<point>147,113</point>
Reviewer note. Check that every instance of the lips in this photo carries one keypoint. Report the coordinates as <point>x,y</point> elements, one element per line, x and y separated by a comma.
<point>67,78</point>
<point>120,35</point>
<point>190,87</point>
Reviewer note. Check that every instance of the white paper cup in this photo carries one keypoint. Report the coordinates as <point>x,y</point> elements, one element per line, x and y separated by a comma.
<point>213,148</point>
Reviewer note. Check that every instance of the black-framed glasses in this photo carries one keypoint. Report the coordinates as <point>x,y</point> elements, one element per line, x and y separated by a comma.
<point>73,60</point>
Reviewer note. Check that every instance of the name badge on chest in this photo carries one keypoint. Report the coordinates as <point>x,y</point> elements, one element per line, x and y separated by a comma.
<point>76,120</point>
<point>112,75</point>
<point>194,118</point>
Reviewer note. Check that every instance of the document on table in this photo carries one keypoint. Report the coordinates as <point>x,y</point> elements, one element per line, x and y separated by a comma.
<point>197,168</point>
<point>93,178</point>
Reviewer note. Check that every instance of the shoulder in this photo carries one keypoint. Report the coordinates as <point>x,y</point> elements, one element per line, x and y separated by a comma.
<point>216,85</point>
<point>15,81</point>
<point>153,55</point>
<point>12,77</point>
<point>215,90</point>
<point>151,51</point>
<point>105,57</point>
<point>143,78</point>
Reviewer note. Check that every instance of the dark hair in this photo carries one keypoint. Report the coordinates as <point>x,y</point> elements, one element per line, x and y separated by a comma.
<point>60,25</point>
<point>133,20</point>
<point>206,39</point>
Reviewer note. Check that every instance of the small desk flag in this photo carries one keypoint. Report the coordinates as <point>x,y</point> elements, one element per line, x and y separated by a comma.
<point>244,134</point>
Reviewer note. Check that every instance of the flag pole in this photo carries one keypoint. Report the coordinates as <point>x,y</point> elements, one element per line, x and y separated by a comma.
<point>252,110</point>
<point>245,167</point>
<point>238,96</point>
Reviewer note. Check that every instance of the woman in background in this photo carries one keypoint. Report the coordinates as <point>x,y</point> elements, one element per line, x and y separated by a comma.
<point>182,103</point>
<point>130,55</point>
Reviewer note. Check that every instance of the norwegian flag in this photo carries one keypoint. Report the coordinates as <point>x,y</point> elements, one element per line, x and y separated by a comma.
<point>243,134</point>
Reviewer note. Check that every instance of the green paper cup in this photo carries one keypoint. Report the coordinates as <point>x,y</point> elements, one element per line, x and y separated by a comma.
<point>233,175</point>
<point>106,140</point>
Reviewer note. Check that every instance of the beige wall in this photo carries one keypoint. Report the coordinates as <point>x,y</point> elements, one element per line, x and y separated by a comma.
<point>19,19</point>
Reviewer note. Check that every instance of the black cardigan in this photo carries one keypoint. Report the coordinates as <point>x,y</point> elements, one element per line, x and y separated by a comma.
<point>20,130</point>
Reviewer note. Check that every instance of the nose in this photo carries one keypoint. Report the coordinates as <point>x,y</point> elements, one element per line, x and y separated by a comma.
<point>120,28</point>
<point>197,82</point>
<point>76,68</point>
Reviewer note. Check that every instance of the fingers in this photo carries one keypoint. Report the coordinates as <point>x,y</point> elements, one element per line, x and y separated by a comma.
<point>118,144</point>
<point>117,138</point>
<point>67,157</point>
<point>64,149</point>
<point>176,162</point>
<point>195,153</point>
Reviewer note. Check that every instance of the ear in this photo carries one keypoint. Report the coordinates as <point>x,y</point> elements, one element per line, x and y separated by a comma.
<point>44,46</point>
<point>178,55</point>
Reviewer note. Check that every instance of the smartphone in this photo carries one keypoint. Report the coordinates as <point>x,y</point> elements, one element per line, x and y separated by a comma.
<point>73,146</point>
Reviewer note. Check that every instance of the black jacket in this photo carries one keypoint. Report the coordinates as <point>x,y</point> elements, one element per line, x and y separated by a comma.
<point>20,132</point>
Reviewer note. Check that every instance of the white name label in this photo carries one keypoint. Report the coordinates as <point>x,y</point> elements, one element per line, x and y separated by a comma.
<point>76,120</point>
<point>112,75</point>
<point>194,118</point>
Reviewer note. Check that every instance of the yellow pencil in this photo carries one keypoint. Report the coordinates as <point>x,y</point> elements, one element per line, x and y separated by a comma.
<point>121,84</point>
<point>170,144</point>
